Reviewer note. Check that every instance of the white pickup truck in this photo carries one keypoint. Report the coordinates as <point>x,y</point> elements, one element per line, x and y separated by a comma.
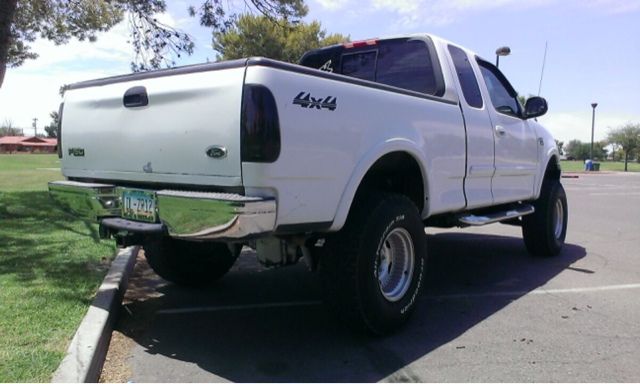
<point>342,160</point>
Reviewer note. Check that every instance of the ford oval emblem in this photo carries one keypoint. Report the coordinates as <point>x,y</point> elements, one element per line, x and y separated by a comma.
<point>217,152</point>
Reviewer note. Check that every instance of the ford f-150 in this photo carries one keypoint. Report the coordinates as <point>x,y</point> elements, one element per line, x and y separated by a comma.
<point>341,160</point>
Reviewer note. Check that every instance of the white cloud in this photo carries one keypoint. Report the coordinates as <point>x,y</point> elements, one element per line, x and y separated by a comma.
<point>168,19</point>
<point>400,6</point>
<point>25,95</point>
<point>420,13</point>
<point>32,90</point>
<point>332,5</point>
<point>110,45</point>
<point>567,126</point>
<point>616,6</point>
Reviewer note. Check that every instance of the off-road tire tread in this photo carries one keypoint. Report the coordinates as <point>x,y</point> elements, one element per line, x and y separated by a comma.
<point>339,262</point>
<point>538,239</point>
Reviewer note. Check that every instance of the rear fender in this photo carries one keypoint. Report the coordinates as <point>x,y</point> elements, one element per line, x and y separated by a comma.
<point>367,161</point>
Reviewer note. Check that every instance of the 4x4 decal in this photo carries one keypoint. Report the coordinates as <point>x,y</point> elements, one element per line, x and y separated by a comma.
<point>305,100</point>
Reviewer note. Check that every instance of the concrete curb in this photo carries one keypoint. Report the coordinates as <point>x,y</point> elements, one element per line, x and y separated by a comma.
<point>589,172</point>
<point>88,349</point>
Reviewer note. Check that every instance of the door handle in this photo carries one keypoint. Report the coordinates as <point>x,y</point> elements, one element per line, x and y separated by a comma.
<point>135,97</point>
<point>500,132</point>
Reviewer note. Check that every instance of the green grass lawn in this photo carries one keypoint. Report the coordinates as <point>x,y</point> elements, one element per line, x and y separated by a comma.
<point>607,166</point>
<point>28,172</point>
<point>50,268</point>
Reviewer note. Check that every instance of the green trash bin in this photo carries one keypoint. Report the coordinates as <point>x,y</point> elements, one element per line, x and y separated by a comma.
<point>596,166</point>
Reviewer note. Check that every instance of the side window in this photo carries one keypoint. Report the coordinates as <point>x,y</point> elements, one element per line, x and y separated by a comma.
<point>361,65</point>
<point>406,64</point>
<point>502,94</point>
<point>401,63</point>
<point>326,59</point>
<point>468,81</point>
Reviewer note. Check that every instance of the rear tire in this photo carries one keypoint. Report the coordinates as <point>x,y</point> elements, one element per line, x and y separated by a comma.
<point>189,263</point>
<point>544,231</point>
<point>373,269</point>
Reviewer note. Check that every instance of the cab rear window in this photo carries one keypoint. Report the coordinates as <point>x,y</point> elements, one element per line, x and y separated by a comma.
<point>400,63</point>
<point>361,65</point>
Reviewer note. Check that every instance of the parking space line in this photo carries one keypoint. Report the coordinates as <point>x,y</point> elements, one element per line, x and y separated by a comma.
<point>603,188</point>
<point>615,194</point>
<point>537,292</point>
<point>174,311</point>
<point>236,307</point>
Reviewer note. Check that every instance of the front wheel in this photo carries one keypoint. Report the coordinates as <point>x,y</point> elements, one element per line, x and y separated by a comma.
<point>373,269</point>
<point>544,231</point>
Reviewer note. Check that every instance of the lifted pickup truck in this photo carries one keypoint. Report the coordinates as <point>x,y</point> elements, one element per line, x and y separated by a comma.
<point>341,160</point>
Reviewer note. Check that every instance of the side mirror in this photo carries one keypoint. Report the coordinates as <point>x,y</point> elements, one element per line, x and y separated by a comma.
<point>535,106</point>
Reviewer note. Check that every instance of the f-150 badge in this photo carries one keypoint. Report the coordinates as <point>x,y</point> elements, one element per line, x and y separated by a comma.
<point>305,100</point>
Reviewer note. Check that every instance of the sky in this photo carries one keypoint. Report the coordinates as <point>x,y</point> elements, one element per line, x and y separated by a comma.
<point>593,53</point>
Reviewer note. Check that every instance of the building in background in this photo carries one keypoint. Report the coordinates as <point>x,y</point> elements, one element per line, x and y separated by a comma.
<point>27,144</point>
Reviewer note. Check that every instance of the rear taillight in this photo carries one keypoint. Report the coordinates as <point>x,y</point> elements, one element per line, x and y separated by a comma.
<point>59,131</point>
<point>260,126</point>
<point>361,43</point>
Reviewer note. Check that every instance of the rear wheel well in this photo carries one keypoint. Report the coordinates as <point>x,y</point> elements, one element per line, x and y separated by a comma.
<point>396,172</point>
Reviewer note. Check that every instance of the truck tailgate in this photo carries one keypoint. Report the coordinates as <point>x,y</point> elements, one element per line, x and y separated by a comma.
<point>167,140</point>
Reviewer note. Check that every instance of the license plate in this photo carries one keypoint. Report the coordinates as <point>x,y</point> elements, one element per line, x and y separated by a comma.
<point>139,205</point>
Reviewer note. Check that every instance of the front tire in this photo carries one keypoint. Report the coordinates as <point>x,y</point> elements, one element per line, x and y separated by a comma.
<point>373,269</point>
<point>545,230</point>
<point>189,263</point>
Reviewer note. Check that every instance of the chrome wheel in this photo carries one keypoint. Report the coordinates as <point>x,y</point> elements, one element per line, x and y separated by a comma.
<point>396,261</point>
<point>558,219</point>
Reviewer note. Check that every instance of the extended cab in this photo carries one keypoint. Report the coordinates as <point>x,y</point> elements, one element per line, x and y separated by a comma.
<point>341,160</point>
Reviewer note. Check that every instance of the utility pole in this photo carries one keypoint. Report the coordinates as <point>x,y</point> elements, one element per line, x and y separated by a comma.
<point>35,126</point>
<point>593,124</point>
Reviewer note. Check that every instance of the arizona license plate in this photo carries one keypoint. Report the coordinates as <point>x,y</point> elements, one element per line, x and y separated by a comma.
<point>139,205</point>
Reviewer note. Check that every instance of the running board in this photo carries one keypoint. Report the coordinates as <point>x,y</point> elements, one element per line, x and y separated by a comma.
<point>476,221</point>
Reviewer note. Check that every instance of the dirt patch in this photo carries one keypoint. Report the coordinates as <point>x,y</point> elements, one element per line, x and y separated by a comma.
<point>134,318</point>
<point>116,369</point>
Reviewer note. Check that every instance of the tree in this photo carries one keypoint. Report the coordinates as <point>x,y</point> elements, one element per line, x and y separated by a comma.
<point>154,44</point>
<point>52,128</point>
<point>576,149</point>
<point>627,137</point>
<point>258,36</point>
<point>573,148</point>
<point>7,129</point>
<point>582,151</point>
<point>600,151</point>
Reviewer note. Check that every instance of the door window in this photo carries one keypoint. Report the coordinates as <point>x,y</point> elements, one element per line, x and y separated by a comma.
<point>503,96</point>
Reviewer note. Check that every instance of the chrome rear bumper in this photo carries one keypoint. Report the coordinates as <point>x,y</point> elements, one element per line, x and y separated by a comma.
<point>187,215</point>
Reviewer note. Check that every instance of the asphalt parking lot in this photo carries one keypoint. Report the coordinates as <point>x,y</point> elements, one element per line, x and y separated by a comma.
<point>490,312</point>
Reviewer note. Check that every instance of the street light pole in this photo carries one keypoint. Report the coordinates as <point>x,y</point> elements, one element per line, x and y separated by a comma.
<point>502,51</point>
<point>593,124</point>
